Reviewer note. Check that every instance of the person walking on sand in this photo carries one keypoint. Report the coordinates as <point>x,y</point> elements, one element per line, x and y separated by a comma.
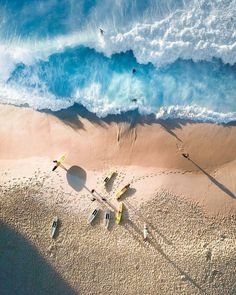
<point>186,156</point>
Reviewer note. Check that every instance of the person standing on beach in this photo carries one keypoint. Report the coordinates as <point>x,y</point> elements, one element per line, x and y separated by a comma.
<point>186,156</point>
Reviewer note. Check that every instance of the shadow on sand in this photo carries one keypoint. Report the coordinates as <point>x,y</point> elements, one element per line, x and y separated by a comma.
<point>149,224</point>
<point>216,182</point>
<point>137,235</point>
<point>76,177</point>
<point>187,277</point>
<point>110,184</point>
<point>72,117</point>
<point>24,271</point>
<point>130,192</point>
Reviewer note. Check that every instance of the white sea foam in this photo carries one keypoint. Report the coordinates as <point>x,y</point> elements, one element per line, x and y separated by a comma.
<point>21,96</point>
<point>101,106</point>
<point>199,32</point>
<point>194,113</point>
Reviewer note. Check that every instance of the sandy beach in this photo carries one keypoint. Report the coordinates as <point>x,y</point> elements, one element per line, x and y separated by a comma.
<point>189,205</point>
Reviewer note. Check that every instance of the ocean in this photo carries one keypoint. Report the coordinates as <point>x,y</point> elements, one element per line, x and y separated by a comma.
<point>171,58</point>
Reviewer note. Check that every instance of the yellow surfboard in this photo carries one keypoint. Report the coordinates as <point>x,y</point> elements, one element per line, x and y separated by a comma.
<point>122,191</point>
<point>61,159</point>
<point>59,162</point>
<point>119,213</point>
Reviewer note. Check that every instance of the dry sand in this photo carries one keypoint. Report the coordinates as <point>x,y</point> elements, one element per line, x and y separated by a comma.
<point>189,205</point>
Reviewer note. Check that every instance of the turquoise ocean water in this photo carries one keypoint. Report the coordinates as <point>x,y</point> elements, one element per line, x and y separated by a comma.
<point>52,55</point>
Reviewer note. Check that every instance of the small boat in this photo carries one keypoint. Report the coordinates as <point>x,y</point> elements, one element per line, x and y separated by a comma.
<point>122,191</point>
<point>145,232</point>
<point>107,218</point>
<point>119,213</point>
<point>93,215</point>
<point>54,226</point>
<point>108,177</point>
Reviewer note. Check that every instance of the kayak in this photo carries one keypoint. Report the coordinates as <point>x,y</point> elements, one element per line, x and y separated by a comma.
<point>107,218</point>
<point>145,232</point>
<point>59,162</point>
<point>122,191</point>
<point>108,177</point>
<point>54,226</point>
<point>93,215</point>
<point>119,213</point>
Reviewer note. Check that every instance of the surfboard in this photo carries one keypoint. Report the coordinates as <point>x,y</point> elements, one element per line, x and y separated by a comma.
<point>59,162</point>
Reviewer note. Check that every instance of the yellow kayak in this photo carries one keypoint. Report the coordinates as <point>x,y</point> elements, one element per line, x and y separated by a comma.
<point>59,162</point>
<point>119,213</point>
<point>122,191</point>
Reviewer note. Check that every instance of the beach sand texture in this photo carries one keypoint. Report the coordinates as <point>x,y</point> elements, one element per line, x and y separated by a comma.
<point>188,206</point>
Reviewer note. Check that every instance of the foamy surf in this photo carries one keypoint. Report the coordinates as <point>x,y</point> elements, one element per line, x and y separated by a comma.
<point>53,67</point>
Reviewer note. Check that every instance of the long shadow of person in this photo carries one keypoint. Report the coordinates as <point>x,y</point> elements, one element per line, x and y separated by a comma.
<point>216,182</point>
<point>76,177</point>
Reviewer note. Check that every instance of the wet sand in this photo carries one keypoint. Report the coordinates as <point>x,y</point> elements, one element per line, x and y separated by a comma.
<point>188,206</point>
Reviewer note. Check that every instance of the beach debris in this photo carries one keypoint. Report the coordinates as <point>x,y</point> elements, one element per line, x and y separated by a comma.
<point>145,232</point>
<point>93,215</point>
<point>54,226</point>
<point>122,191</point>
<point>58,162</point>
<point>107,218</point>
<point>119,213</point>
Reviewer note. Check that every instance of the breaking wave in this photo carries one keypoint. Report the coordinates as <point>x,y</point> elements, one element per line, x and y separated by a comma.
<point>53,55</point>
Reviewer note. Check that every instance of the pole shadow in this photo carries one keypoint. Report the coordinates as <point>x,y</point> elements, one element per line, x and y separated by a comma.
<point>216,182</point>
<point>76,177</point>
<point>112,221</point>
<point>137,235</point>
<point>167,126</point>
<point>188,278</point>
<point>104,200</point>
<point>149,224</point>
<point>133,231</point>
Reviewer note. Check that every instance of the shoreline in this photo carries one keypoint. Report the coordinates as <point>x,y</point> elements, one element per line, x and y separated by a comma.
<point>206,178</point>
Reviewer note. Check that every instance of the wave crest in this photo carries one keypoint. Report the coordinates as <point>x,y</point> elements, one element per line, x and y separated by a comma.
<point>200,32</point>
<point>195,113</point>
